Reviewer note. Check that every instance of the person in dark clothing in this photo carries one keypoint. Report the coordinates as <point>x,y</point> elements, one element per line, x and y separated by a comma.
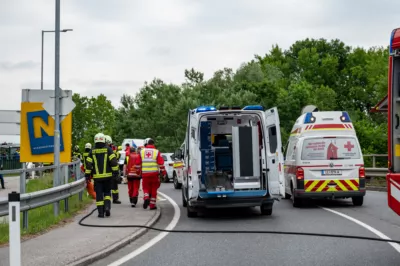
<point>102,174</point>
<point>2,179</point>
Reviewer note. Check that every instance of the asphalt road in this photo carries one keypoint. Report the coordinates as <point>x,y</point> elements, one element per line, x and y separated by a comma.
<point>249,249</point>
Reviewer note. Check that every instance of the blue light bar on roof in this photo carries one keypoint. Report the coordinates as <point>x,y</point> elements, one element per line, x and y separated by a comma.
<point>253,107</point>
<point>309,119</point>
<point>205,109</point>
<point>345,117</point>
<point>391,41</point>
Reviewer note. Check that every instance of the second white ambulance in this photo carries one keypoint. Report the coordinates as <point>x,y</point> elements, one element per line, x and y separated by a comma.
<point>323,159</point>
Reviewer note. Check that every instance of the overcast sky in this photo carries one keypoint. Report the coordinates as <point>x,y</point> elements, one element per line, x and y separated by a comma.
<point>117,45</point>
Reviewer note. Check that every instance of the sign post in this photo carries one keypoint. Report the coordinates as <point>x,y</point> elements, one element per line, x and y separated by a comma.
<point>15,229</point>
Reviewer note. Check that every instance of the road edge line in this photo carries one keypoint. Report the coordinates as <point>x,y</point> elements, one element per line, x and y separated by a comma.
<point>101,254</point>
<point>366,226</point>
<point>154,240</point>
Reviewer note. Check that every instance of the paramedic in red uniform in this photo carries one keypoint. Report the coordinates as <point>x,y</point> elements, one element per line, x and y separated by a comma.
<point>151,163</point>
<point>133,176</point>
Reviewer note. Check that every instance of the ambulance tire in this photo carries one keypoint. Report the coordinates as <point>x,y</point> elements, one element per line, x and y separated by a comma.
<point>297,202</point>
<point>358,201</point>
<point>287,196</point>
<point>266,210</point>
<point>191,213</point>
<point>184,202</point>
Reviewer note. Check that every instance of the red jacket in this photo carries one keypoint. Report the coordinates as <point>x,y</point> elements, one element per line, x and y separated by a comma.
<point>160,162</point>
<point>127,151</point>
<point>134,166</point>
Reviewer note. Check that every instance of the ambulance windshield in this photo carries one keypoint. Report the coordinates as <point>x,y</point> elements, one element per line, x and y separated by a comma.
<point>332,148</point>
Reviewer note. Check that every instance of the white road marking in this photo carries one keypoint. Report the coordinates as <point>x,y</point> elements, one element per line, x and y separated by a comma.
<point>366,226</point>
<point>155,240</point>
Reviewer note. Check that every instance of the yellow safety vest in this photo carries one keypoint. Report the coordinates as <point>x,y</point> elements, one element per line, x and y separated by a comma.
<point>149,160</point>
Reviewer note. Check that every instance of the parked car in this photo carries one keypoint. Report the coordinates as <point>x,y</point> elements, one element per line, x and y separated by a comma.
<point>169,165</point>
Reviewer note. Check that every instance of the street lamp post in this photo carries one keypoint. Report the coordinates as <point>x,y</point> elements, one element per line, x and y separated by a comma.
<point>43,32</point>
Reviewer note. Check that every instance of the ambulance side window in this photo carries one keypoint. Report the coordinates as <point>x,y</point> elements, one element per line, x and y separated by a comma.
<point>290,154</point>
<point>193,133</point>
<point>273,140</point>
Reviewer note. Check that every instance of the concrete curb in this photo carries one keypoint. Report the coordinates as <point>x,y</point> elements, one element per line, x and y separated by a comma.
<point>382,189</point>
<point>87,260</point>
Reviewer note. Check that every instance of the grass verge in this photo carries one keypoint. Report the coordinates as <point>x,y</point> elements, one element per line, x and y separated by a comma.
<point>377,182</point>
<point>42,219</point>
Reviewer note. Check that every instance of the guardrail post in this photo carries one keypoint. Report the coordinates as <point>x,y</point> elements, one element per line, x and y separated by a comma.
<point>77,177</point>
<point>14,228</point>
<point>373,161</point>
<point>22,190</point>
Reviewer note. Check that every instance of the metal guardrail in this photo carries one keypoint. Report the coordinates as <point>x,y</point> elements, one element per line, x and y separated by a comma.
<point>41,198</point>
<point>45,197</point>
<point>374,171</point>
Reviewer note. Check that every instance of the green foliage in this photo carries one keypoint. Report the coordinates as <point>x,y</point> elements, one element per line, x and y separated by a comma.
<point>91,116</point>
<point>325,73</point>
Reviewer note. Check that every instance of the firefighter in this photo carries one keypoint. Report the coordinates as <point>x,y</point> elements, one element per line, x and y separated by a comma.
<point>114,181</point>
<point>76,154</point>
<point>89,184</point>
<point>133,176</point>
<point>102,174</point>
<point>151,163</point>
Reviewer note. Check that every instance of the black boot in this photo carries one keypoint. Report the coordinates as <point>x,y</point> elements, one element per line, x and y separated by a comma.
<point>146,203</point>
<point>100,209</point>
<point>115,199</point>
<point>107,207</point>
<point>133,203</point>
<point>135,199</point>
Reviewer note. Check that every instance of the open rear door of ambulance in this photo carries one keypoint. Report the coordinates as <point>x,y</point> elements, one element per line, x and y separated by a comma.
<point>276,181</point>
<point>393,178</point>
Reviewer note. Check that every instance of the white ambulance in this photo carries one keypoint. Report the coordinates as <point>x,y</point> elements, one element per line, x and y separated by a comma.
<point>233,158</point>
<point>323,159</point>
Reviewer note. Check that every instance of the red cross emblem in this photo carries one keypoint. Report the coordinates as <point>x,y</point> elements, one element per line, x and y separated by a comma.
<point>349,146</point>
<point>149,154</point>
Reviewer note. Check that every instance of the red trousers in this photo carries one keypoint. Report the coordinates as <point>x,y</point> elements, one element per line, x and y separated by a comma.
<point>133,187</point>
<point>150,186</point>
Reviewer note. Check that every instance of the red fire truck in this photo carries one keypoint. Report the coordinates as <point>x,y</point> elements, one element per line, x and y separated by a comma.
<point>393,177</point>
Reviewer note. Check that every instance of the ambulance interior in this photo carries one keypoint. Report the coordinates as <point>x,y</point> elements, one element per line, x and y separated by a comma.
<point>230,152</point>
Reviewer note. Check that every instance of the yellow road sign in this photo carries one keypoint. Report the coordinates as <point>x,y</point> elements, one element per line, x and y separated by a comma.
<point>37,135</point>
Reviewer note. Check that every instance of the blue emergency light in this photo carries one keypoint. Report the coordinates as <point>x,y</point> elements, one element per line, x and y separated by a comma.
<point>201,109</point>
<point>309,119</point>
<point>391,41</point>
<point>254,107</point>
<point>345,117</point>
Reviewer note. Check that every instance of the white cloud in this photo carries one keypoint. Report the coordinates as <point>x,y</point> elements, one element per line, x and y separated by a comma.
<point>116,46</point>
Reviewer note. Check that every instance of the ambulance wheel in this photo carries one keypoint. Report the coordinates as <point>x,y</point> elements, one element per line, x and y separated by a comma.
<point>297,202</point>
<point>190,212</point>
<point>358,201</point>
<point>184,202</point>
<point>176,183</point>
<point>287,196</point>
<point>266,210</point>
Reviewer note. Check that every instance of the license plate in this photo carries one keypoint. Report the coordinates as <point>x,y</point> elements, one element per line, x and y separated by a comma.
<point>331,172</point>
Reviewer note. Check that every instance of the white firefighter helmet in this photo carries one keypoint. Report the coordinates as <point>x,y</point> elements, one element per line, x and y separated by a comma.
<point>99,138</point>
<point>146,141</point>
<point>88,146</point>
<point>108,139</point>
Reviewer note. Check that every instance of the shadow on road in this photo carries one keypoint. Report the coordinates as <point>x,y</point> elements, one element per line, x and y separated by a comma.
<point>339,203</point>
<point>231,214</point>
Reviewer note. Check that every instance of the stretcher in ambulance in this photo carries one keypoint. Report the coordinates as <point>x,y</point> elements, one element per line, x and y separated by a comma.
<point>323,159</point>
<point>232,158</point>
